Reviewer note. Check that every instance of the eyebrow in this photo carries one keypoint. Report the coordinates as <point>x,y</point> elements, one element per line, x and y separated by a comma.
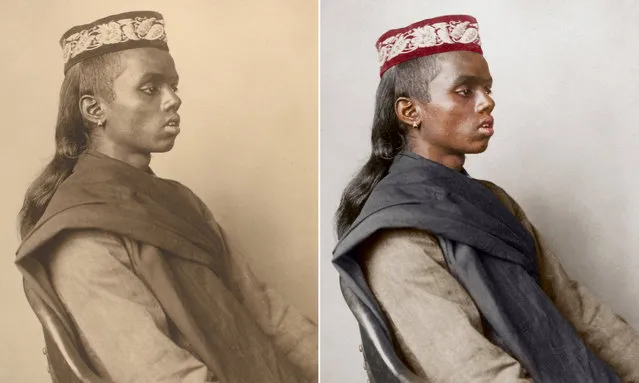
<point>470,79</point>
<point>155,76</point>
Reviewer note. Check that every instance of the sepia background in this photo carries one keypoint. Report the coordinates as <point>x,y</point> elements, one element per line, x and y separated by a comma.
<point>248,145</point>
<point>565,143</point>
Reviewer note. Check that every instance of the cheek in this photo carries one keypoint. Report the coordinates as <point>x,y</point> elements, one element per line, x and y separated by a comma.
<point>132,113</point>
<point>456,118</point>
<point>446,118</point>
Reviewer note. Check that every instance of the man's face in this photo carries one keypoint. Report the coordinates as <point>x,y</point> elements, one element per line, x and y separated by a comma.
<point>457,119</point>
<point>142,116</point>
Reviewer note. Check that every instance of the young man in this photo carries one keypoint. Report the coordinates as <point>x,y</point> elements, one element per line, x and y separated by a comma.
<point>129,273</point>
<point>447,278</point>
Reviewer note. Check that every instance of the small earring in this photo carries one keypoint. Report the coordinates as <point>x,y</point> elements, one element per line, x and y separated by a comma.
<point>100,124</point>
<point>415,125</point>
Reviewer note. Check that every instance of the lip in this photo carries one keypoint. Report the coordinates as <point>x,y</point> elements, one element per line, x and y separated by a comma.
<point>487,123</point>
<point>172,125</point>
<point>486,127</point>
<point>173,119</point>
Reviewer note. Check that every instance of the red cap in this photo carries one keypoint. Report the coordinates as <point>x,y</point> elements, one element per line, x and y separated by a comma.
<point>428,37</point>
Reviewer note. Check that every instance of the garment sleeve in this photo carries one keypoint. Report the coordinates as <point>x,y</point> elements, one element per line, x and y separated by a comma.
<point>120,323</point>
<point>435,323</point>
<point>293,333</point>
<point>607,334</point>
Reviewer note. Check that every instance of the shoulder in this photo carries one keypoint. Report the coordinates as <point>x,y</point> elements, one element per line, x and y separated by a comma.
<point>398,238</point>
<point>395,245</point>
<point>193,198</point>
<point>87,249</point>
<point>87,238</point>
<point>505,198</point>
<point>498,191</point>
<point>511,204</point>
<point>183,189</point>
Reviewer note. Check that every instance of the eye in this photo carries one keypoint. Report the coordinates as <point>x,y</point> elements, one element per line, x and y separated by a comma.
<point>489,90</point>
<point>149,89</point>
<point>464,92</point>
<point>174,87</point>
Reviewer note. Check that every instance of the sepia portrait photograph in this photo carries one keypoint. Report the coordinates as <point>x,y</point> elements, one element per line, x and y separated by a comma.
<point>478,210</point>
<point>160,212</point>
<point>339,191</point>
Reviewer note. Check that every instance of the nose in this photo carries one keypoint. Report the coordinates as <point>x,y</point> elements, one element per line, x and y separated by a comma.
<point>485,103</point>
<point>171,101</point>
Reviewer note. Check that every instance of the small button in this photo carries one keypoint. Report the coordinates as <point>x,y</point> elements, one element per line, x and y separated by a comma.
<point>361,348</point>
<point>44,350</point>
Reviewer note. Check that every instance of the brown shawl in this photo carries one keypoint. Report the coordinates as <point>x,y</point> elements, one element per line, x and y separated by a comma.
<point>191,276</point>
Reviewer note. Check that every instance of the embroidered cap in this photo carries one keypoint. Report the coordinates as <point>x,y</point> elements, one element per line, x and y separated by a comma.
<point>428,37</point>
<point>111,34</point>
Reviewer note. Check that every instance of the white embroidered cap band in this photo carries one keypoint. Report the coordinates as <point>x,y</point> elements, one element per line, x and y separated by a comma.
<point>113,33</point>
<point>428,37</point>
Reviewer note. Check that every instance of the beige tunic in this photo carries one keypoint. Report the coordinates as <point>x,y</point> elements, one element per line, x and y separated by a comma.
<point>123,327</point>
<point>439,330</point>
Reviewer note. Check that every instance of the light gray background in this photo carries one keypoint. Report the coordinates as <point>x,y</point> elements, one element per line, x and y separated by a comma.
<point>566,134</point>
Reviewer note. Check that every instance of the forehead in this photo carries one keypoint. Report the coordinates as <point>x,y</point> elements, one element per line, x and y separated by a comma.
<point>139,62</point>
<point>454,65</point>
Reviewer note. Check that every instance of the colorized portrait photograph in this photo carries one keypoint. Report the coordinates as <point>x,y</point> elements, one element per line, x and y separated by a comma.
<point>478,192</point>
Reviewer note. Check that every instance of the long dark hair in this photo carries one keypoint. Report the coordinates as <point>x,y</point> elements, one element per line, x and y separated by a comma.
<point>93,76</point>
<point>389,135</point>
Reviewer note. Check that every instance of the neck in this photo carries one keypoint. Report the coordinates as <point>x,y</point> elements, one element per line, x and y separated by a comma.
<point>137,160</point>
<point>450,160</point>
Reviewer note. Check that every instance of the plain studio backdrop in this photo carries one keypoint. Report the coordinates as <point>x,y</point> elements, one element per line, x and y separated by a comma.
<point>248,147</point>
<point>565,144</point>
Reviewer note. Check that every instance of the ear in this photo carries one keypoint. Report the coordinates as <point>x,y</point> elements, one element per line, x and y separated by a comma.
<point>91,109</point>
<point>407,111</point>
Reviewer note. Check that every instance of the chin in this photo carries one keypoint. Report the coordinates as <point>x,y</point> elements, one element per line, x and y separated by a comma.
<point>478,147</point>
<point>163,147</point>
